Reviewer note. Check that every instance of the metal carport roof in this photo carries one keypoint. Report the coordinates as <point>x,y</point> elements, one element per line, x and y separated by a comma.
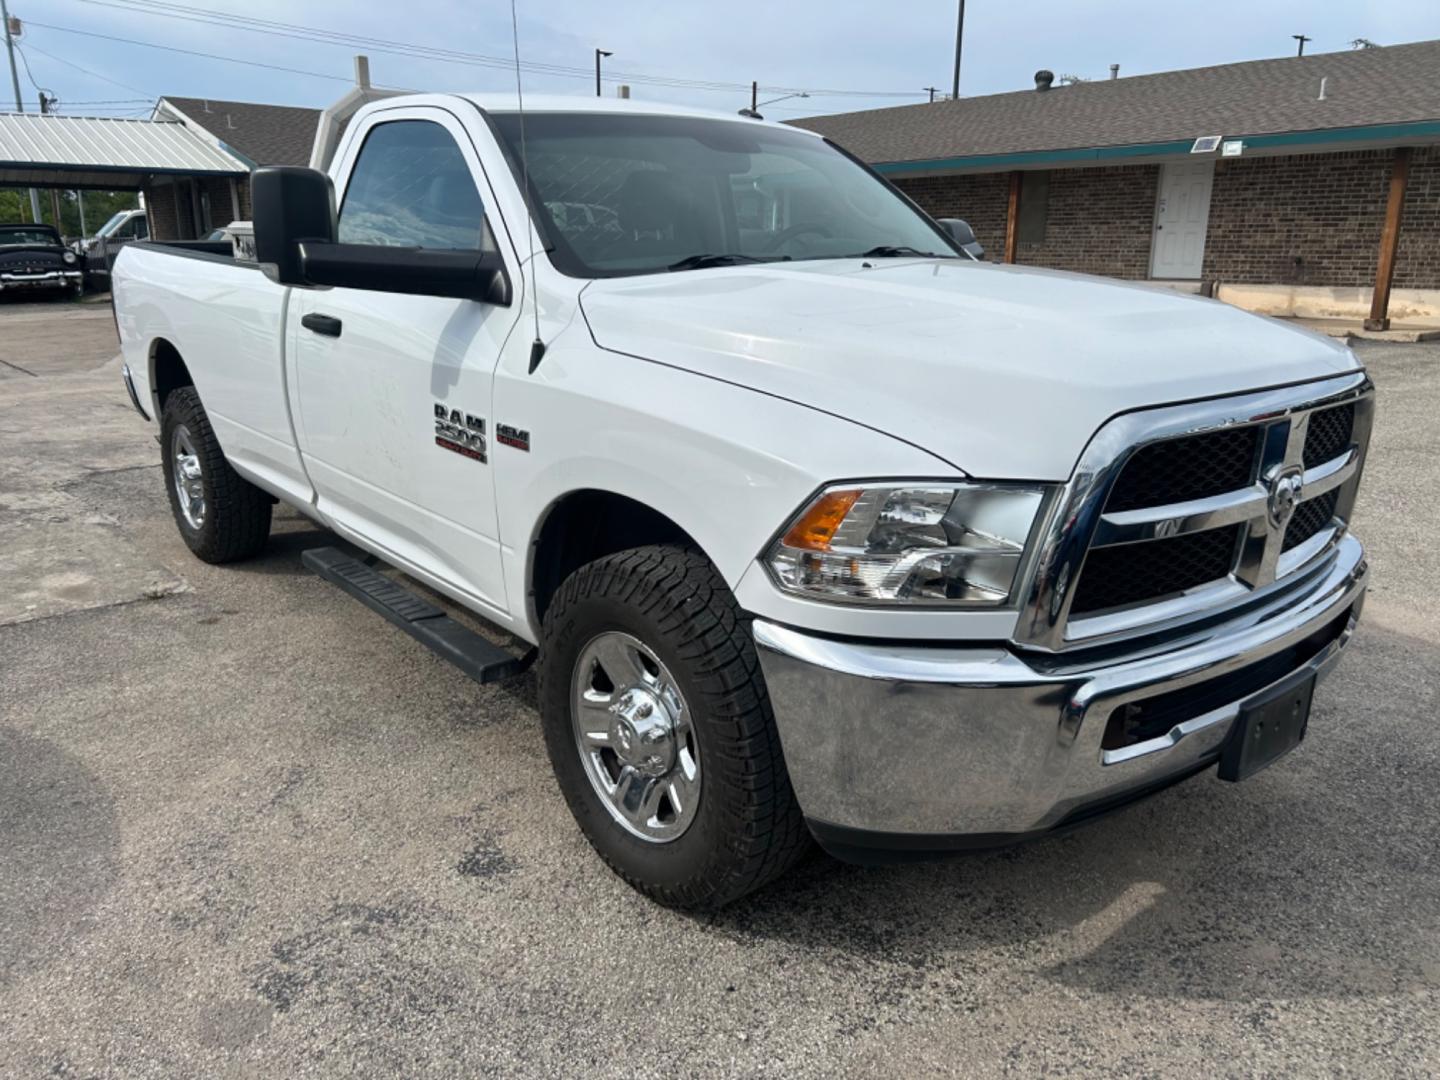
<point>86,151</point>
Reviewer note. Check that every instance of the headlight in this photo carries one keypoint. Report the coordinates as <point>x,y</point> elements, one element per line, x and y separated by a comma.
<point>69,256</point>
<point>918,544</point>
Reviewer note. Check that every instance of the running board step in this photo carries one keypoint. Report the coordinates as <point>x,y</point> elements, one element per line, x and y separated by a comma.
<point>482,660</point>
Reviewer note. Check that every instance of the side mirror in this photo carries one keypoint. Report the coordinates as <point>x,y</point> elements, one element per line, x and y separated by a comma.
<point>964,237</point>
<point>290,205</point>
<point>295,244</point>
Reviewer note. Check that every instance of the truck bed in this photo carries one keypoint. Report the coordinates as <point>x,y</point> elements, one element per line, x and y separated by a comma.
<point>226,322</point>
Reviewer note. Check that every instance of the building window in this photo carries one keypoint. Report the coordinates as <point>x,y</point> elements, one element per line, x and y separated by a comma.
<point>1034,207</point>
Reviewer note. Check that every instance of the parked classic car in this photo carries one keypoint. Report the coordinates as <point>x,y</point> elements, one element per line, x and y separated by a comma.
<point>33,258</point>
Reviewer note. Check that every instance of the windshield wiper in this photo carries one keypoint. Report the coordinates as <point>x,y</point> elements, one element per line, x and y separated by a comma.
<point>700,262</point>
<point>896,251</point>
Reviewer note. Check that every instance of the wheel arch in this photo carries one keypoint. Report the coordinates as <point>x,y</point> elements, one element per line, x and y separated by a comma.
<point>168,372</point>
<point>586,524</point>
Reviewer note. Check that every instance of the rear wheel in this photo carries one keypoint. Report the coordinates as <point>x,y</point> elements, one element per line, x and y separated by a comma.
<point>221,516</point>
<point>660,731</point>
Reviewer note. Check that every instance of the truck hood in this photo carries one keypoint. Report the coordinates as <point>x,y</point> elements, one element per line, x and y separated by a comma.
<point>1002,371</point>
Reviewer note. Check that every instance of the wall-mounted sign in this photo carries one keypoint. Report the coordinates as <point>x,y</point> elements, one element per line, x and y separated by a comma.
<point>1232,147</point>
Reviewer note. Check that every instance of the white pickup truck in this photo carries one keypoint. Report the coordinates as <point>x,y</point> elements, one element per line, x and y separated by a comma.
<point>819,526</point>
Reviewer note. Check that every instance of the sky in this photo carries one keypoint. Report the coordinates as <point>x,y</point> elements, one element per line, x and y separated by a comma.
<point>877,53</point>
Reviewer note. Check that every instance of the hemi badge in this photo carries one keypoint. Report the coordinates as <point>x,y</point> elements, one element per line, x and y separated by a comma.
<point>510,436</point>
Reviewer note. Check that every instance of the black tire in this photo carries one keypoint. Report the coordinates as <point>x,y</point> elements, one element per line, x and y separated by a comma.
<point>236,519</point>
<point>747,828</point>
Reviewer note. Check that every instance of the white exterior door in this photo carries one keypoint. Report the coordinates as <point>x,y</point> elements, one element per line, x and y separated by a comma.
<point>1182,212</point>
<point>394,390</point>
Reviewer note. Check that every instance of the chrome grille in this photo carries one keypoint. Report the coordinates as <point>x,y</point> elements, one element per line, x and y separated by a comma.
<point>1177,470</point>
<point>1184,512</point>
<point>1310,519</point>
<point>1134,573</point>
<point>1329,434</point>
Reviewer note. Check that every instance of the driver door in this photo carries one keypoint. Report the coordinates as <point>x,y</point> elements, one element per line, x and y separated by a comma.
<point>394,391</point>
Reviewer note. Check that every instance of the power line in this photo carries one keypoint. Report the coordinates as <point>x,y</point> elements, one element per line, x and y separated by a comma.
<point>273,28</point>
<point>195,52</point>
<point>113,101</point>
<point>301,33</point>
<point>92,74</point>
<point>104,108</point>
<point>25,61</point>
<point>189,52</point>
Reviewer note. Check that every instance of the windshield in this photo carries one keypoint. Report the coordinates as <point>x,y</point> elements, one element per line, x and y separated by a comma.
<point>10,237</point>
<point>113,224</point>
<point>638,194</point>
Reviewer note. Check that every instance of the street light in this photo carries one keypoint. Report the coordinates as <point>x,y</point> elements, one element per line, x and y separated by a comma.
<point>754,111</point>
<point>598,54</point>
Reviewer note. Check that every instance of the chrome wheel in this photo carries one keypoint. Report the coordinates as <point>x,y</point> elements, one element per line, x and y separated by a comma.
<point>635,737</point>
<point>189,485</point>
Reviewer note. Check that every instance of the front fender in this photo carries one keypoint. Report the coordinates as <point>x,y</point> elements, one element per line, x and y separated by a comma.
<point>727,464</point>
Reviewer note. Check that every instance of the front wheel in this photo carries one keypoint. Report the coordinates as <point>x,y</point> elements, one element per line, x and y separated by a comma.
<point>660,731</point>
<point>222,517</point>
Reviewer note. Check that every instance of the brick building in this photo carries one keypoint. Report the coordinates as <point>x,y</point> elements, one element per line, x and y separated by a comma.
<point>1268,173</point>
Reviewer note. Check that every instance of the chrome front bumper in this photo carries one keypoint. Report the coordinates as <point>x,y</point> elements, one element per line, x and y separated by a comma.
<point>943,747</point>
<point>49,279</point>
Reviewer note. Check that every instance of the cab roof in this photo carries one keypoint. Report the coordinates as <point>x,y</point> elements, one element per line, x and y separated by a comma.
<point>552,103</point>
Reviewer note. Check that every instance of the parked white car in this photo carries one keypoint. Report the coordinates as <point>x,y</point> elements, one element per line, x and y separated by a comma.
<point>102,249</point>
<point>819,527</point>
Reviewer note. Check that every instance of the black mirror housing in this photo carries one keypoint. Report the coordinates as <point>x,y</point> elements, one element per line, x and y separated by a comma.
<point>290,205</point>
<point>295,244</point>
<point>964,237</point>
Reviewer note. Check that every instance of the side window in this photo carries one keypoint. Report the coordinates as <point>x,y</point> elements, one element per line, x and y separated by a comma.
<point>410,187</point>
<point>142,228</point>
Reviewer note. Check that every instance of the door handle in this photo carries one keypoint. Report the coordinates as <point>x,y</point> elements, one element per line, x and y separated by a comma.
<point>321,324</point>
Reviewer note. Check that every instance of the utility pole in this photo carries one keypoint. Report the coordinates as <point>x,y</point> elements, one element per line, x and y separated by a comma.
<point>598,54</point>
<point>45,104</point>
<point>19,101</point>
<point>933,91</point>
<point>10,49</point>
<point>959,37</point>
<point>1301,38</point>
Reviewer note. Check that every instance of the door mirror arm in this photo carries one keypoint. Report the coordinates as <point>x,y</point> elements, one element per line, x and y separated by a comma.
<point>464,275</point>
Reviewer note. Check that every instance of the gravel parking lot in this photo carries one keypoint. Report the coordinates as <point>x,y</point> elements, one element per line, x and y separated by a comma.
<point>249,829</point>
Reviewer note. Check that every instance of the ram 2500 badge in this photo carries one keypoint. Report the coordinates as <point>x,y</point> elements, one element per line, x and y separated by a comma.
<point>818,526</point>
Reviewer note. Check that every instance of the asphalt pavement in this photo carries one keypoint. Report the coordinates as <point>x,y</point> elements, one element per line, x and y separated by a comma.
<point>247,828</point>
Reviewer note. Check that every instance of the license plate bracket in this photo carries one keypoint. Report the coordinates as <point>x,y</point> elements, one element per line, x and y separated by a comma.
<point>1269,726</point>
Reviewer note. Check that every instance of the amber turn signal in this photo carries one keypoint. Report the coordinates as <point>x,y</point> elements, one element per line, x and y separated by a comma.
<point>816,527</point>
